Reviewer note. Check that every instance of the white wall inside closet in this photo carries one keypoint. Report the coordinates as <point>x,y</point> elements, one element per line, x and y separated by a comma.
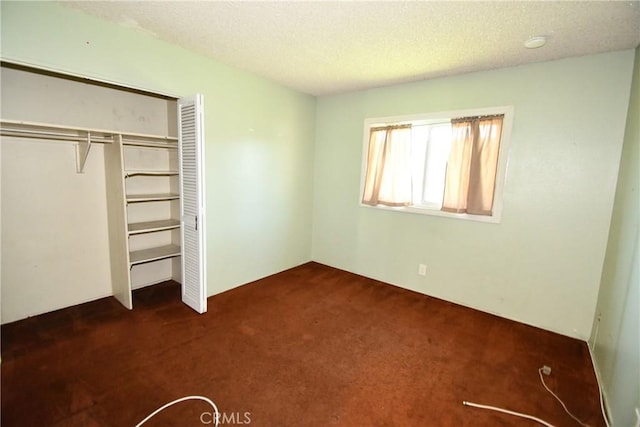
<point>55,248</point>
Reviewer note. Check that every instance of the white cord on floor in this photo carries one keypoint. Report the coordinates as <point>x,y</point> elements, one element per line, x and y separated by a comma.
<point>604,412</point>
<point>506,411</point>
<point>182,399</point>
<point>531,417</point>
<point>560,400</point>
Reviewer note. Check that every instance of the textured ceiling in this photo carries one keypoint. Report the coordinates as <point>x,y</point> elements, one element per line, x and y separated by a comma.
<point>322,47</point>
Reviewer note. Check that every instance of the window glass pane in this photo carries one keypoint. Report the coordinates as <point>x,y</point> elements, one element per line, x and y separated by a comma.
<point>437,153</point>
<point>419,141</point>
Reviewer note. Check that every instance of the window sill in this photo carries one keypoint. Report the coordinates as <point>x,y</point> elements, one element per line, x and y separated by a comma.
<point>494,219</point>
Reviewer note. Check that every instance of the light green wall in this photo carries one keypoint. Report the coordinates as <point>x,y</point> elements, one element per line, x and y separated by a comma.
<point>616,339</point>
<point>542,264</point>
<point>259,135</point>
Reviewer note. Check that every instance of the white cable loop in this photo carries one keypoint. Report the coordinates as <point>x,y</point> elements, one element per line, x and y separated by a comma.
<point>559,400</point>
<point>531,417</point>
<point>182,399</point>
<point>506,411</point>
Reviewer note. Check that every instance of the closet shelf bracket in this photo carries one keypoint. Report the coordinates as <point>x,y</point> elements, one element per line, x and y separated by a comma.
<point>82,152</point>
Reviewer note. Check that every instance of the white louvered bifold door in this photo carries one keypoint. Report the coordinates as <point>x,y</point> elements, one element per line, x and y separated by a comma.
<point>192,212</point>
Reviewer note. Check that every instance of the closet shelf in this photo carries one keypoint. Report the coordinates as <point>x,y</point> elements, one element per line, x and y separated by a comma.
<point>152,226</point>
<point>153,254</point>
<point>52,132</point>
<point>138,198</point>
<point>73,133</point>
<point>82,137</point>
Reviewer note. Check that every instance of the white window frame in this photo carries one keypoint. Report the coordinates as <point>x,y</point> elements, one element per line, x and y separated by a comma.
<point>438,117</point>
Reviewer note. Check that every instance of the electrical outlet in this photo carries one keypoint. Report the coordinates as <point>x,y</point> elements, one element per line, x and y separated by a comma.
<point>422,269</point>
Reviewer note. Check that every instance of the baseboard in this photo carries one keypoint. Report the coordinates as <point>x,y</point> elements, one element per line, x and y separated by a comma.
<point>462,303</point>
<point>51,310</point>
<point>604,405</point>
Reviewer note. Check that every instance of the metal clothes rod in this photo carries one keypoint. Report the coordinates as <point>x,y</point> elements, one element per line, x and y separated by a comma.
<point>150,144</point>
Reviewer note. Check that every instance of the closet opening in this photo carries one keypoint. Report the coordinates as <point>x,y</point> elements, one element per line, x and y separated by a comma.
<point>91,191</point>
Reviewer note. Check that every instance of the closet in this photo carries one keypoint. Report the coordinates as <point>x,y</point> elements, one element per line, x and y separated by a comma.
<point>155,193</point>
<point>152,202</point>
<point>142,195</point>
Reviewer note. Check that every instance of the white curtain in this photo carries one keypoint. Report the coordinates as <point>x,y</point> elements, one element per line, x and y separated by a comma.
<point>473,161</point>
<point>388,176</point>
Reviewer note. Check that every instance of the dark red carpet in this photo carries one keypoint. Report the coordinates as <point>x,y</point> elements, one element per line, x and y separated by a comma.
<point>311,346</point>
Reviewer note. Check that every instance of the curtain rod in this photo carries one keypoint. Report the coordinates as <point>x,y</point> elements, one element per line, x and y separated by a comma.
<point>391,127</point>
<point>488,116</point>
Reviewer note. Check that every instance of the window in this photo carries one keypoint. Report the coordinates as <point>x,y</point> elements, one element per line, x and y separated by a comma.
<point>447,164</point>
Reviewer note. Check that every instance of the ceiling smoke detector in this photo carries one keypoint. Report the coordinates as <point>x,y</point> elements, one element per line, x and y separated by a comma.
<point>535,42</point>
